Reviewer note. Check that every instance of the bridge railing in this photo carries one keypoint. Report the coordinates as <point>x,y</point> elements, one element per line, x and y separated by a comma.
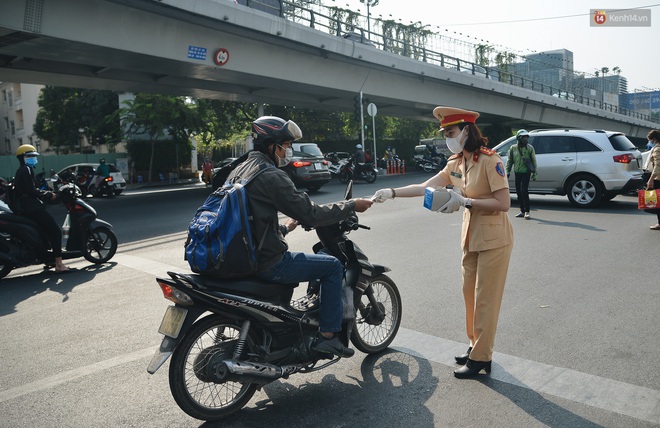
<point>417,43</point>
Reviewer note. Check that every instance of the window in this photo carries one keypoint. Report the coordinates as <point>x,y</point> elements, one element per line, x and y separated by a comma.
<point>621,143</point>
<point>582,145</point>
<point>12,127</point>
<point>4,95</point>
<point>10,99</point>
<point>554,144</point>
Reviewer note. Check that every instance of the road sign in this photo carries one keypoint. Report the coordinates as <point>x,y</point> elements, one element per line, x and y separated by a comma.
<point>371,109</point>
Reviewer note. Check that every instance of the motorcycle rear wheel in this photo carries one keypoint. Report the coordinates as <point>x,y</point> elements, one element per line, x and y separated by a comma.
<point>202,399</point>
<point>427,167</point>
<point>370,175</point>
<point>373,334</point>
<point>344,177</point>
<point>100,245</point>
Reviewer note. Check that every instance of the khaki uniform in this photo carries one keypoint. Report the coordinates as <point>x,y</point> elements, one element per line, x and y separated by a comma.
<point>487,241</point>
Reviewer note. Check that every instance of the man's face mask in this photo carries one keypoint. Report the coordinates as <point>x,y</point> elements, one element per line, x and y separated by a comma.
<point>31,161</point>
<point>288,155</point>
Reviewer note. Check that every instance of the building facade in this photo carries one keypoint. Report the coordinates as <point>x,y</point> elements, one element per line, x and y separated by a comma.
<point>18,113</point>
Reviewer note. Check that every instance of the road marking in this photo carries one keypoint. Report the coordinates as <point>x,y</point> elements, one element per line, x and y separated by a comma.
<point>595,391</point>
<point>67,376</point>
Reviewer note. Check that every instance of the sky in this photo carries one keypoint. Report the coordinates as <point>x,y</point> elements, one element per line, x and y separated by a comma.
<point>528,26</point>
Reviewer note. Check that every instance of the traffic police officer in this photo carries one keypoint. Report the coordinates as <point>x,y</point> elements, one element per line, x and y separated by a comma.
<point>480,185</point>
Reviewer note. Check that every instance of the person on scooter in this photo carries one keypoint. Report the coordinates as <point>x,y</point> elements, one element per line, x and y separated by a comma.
<point>271,192</point>
<point>32,202</point>
<point>360,160</point>
<point>103,171</point>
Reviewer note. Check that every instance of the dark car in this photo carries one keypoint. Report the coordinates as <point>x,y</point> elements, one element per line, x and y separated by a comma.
<point>308,169</point>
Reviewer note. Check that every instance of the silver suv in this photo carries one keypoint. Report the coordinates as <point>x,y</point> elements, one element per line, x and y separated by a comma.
<point>588,166</point>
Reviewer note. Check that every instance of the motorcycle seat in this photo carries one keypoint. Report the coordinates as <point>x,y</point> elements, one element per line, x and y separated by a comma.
<point>15,218</point>
<point>242,286</point>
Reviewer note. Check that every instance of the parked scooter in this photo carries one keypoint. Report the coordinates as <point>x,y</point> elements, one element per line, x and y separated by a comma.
<point>334,163</point>
<point>254,333</point>
<point>347,172</point>
<point>22,243</point>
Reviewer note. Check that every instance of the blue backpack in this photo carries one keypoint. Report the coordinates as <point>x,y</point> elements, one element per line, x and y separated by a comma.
<point>220,241</point>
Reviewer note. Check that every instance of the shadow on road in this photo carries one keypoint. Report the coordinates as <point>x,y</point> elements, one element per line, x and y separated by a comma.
<point>16,289</point>
<point>393,384</point>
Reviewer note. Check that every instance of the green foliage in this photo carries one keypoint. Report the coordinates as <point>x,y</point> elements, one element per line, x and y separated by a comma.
<point>63,112</point>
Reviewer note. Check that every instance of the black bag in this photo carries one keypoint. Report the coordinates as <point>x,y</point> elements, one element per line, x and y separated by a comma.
<point>528,162</point>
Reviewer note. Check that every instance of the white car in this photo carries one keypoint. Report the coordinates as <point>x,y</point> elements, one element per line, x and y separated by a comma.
<point>82,171</point>
<point>588,166</point>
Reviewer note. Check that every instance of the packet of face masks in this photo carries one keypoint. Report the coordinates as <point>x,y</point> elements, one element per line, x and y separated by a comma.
<point>434,199</point>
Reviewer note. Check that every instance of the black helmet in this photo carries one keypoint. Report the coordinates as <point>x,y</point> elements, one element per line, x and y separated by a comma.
<point>271,129</point>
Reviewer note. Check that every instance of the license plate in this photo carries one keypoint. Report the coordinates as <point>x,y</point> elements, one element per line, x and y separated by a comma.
<point>318,165</point>
<point>172,321</point>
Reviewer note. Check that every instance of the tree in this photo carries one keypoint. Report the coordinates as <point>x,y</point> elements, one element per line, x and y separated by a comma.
<point>159,118</point>
<point>63,112</point>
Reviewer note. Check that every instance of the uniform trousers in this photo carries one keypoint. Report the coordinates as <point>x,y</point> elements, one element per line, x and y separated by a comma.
<point>484,276</point>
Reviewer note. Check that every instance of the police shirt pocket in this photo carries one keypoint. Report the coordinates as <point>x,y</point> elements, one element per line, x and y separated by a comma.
<point>491,226</point>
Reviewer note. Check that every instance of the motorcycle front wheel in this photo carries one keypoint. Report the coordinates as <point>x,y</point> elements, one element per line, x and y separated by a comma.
<point>100,245</point>
<point>378,316</point>
<point>344,177</point>
<point>193,366</point>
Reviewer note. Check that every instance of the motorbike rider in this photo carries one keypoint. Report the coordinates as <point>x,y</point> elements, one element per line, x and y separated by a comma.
<point>32,202</point>
<point>360,159</point>
<point>273,191</point>
<point>103,171</point>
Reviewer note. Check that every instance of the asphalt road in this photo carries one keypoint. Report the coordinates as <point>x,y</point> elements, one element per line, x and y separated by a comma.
<point>577,343</point>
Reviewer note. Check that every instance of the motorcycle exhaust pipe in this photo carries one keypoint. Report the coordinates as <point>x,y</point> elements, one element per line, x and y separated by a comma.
<point>243,371</point>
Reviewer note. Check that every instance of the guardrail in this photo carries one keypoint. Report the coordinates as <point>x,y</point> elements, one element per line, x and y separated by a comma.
<point>413,41</point>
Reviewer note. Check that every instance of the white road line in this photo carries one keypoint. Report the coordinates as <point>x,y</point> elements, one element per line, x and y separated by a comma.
<point>607,394</point>
<point>67,376</point>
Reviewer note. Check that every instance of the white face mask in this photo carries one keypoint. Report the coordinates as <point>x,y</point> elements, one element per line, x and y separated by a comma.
<point>456,144</point>
<point>288,154</point>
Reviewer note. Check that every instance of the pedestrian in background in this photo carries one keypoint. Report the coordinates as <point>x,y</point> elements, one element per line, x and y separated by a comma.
<point>654,166</point>
<point>522,158</point>
<point>207,171</point>
<point>480,185</point>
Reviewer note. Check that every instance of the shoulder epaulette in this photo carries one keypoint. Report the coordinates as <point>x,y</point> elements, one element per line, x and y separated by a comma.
<point>487,151</point>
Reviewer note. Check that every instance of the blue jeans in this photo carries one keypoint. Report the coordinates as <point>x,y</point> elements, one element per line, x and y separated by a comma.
<point>299,267</point>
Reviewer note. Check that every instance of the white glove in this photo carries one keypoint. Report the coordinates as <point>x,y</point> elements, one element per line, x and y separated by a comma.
<point>454,203</point>
<point>382,195</point>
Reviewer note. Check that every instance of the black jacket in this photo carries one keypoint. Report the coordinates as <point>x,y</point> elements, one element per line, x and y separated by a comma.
<point>271,192</point>
<point>28,194</point>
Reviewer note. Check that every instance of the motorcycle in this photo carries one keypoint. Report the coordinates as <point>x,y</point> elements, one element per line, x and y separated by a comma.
<point>431,164</point>
<point>104,187</point>
<point>255,333</point>
<point>347,172</point>
<point>334,163</point>
<point>22,243</point>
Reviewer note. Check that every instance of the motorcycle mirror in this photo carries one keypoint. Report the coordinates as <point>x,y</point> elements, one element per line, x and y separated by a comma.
<point>349,190</point>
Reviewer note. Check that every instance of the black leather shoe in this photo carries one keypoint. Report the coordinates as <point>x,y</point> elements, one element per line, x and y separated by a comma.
<point>462,359</point>
<point>472,369</point>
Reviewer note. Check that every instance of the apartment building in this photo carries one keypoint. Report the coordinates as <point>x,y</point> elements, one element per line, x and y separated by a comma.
<point>18,113</point>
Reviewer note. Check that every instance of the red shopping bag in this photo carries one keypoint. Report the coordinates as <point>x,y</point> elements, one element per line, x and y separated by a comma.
<point>648,198</point>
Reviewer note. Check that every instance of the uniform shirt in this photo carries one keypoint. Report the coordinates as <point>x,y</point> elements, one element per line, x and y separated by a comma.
<point>482,230</point>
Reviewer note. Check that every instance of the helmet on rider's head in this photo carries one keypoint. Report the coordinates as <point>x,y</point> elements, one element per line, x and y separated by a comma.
<point>26,149</point>
<point>102,160</point>
<point>269,130</point>
<point>521,133</point>
<point>359,147</point>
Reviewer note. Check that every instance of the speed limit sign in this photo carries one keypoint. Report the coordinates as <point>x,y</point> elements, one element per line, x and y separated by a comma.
<point>221,56</point>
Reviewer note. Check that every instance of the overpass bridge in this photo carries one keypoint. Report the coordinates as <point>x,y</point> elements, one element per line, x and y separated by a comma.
<point>219,49</point>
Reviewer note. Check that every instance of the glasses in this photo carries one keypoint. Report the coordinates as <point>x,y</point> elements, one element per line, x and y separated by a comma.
<point>286,145</point>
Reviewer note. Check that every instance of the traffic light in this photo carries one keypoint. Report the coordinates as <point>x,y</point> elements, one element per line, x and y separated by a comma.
<point>357,107</point>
